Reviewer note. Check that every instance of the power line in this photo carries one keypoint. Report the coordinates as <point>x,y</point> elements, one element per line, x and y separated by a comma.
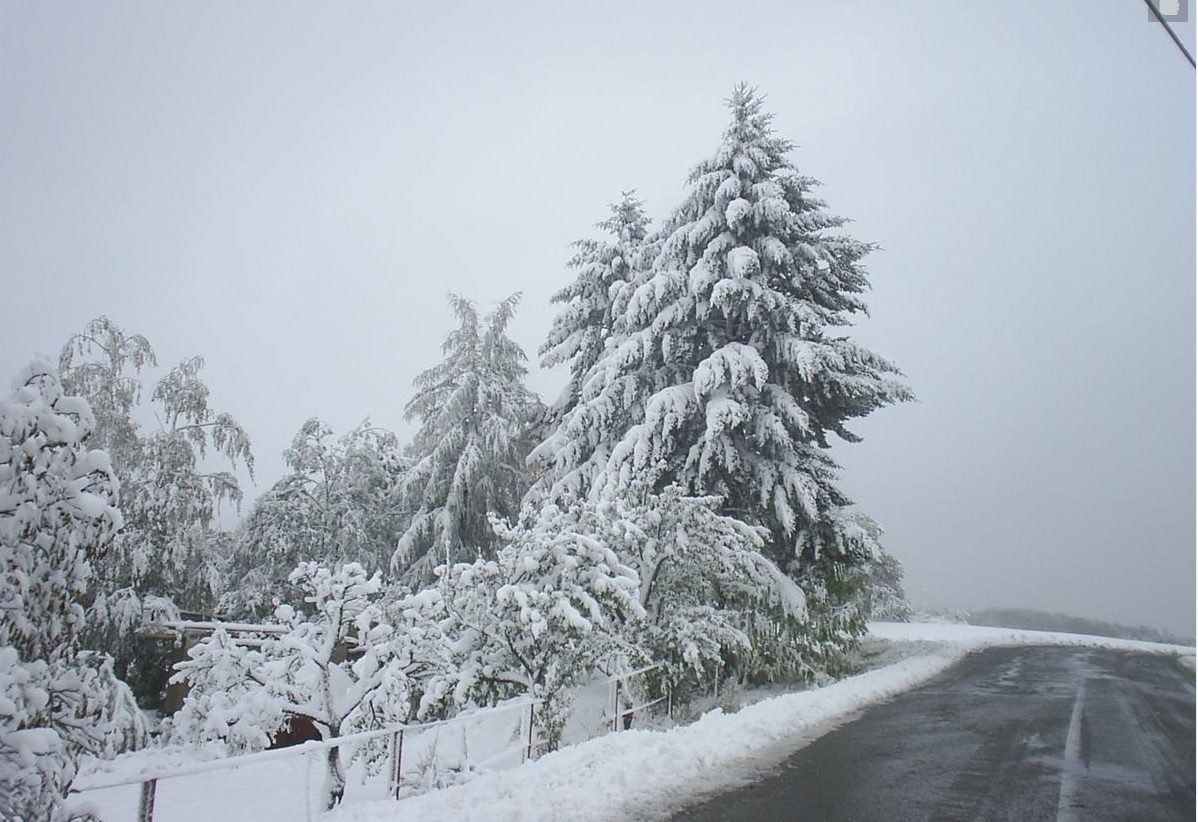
<point>1156,12</point>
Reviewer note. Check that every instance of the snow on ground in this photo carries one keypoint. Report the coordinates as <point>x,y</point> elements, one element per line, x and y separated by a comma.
<point>974,637</point>
<point>642,774</point>
<point>646,774</point>
<point>635,774</point>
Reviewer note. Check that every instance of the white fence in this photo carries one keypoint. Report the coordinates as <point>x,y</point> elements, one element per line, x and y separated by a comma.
<point>415,758</point>
<point>407,760</point>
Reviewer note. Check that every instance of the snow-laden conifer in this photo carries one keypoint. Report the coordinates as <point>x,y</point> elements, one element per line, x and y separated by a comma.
<point>885,599</point>
<point>731,370</point>
<point>468,455</point>
<point>589,305</point>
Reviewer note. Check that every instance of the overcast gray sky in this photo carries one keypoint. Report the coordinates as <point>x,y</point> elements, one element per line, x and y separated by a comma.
<point>291,188</point>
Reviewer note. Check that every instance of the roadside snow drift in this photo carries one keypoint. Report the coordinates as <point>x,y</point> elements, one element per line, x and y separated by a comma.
<point>638,774</point>
<point>646,774</point>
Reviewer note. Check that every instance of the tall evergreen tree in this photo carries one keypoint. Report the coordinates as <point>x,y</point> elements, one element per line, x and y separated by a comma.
<point>727,373</point>
<point>468,456</point>
<point>589,304</point>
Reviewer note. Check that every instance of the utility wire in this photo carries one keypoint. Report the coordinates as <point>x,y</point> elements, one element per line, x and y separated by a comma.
<point>1156,12</point>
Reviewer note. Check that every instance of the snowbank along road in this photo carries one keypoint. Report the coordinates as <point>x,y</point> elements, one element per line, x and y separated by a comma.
<point>1010,733</point>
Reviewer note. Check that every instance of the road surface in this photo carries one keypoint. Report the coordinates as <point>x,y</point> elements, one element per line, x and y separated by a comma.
<point>1011,734</point>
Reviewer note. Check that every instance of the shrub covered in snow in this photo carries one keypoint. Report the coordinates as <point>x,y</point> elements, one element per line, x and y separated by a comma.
<point>344,669</point>
<point>58,515</point>
<point>714,604</point>
<point>633,579</point>
<point>534,620</point>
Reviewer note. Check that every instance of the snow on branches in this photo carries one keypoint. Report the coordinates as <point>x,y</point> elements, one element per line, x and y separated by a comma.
<point>342,669</point>
<point>534,620</point>
<point>172,485</point>
<point>338,504</point>
<point>631,579</point>
<point>722,374</point>
<point>591,304</point>
<point>58,515</point>
<point>712,599</point>
<point>468,456</point>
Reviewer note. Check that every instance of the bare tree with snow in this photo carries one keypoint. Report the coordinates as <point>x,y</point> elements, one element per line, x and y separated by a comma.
<point>343,668</point>
<point>165,554</point>
<point>338,504</point>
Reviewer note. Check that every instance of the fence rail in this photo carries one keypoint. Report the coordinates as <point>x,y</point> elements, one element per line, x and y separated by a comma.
<point>149,778</point>
<point>406,743</point>
<point>623,707</point>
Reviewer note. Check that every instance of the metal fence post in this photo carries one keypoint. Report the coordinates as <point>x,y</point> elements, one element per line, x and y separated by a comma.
<point>145,808</point>
<point>532,714</point>
<point>396,761</point>
<point>615,706</point>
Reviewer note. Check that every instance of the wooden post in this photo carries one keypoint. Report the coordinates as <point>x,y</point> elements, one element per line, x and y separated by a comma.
<point>145,808</point>
<point>396,761</point>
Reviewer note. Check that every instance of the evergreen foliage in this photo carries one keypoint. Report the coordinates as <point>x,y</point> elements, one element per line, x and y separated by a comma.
<point>468,456</point>
<point>727,372</point>
<point>589,305</point>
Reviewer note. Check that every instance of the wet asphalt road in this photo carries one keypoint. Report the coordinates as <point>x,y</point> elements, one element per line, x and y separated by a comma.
<point>1010,734</point>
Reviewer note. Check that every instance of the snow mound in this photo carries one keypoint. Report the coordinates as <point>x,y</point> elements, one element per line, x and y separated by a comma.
<point>651,774</point>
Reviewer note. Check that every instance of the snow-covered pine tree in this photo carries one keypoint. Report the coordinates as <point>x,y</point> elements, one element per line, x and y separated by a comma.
<point>58,515</point>
<point>337,505</point>
<point>584,325</point>
<point>169,495</point>
<point>468,455</point>
<point>729,364</point>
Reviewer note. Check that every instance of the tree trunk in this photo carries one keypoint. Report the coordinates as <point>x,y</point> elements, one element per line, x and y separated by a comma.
<point>334,783</point>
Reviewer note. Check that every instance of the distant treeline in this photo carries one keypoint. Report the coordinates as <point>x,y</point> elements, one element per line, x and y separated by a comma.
<point>1030,620</point>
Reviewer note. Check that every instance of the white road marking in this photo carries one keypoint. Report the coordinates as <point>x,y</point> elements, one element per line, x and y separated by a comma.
<point>1072,768</point>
